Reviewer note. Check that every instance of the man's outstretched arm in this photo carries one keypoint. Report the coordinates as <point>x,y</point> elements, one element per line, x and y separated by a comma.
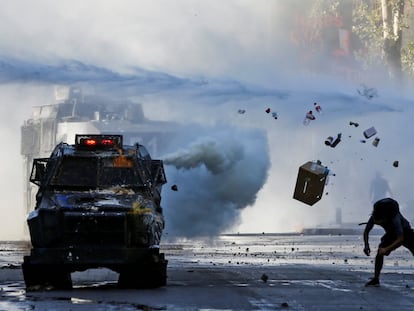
<point>368,228</point>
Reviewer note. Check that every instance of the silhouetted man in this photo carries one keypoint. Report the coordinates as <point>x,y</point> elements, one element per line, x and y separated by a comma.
<point>386,213</point>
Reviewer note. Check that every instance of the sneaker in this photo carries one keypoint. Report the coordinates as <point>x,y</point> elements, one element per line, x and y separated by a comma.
<point>373,282</point>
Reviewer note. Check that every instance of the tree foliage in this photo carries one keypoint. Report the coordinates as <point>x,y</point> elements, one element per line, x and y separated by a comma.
<point>367,26</point>
<point>407,59</point>
<point>379,25</point>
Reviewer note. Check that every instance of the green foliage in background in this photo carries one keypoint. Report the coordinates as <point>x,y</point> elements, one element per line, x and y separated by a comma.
<point>379,45</point>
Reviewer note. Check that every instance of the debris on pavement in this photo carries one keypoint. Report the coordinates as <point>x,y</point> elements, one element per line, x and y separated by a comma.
<point>241,111</point>
<point>395,163</point>
<point>354,124</point>
<point>268,110</point>
<point>174,188</point>
<point>375,142</point>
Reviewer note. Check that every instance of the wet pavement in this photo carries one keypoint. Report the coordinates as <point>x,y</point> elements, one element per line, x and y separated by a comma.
<point>233,272</point>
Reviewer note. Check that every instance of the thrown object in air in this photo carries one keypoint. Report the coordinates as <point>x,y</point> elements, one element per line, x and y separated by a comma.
<point>329,141</point>
<point>368,92</point>
<point>337,140</point>
<point>310,182</point>
<point>308,117</point>
<point>375,142</point>
<point>368,133</point>
<point>318,108</point>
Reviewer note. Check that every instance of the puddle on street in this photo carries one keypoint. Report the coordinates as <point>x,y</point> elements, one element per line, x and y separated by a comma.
<point>13,296</point>
<point>328,284</point>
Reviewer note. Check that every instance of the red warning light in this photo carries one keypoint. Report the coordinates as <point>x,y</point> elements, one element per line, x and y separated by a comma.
<point>90,142</point>
<point>107,142</point>
<point>98,141</point>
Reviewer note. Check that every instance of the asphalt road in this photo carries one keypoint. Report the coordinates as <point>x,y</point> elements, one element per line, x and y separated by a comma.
<point>262,272</point>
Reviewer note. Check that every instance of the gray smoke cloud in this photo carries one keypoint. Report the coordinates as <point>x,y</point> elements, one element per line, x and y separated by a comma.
<point>217,176</point>
<point>216,156</point>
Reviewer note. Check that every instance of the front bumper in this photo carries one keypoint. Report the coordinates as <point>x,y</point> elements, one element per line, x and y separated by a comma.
<point>79,259</point>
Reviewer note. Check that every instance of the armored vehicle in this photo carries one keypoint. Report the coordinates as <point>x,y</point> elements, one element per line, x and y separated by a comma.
<point>76,110</point>
<point>98,204</point>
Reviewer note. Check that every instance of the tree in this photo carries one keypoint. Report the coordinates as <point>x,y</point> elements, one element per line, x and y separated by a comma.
<point>392,23</point>
<point>379,25</point>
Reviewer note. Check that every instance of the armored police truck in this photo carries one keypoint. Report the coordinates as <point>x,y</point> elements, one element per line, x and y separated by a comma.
<point>98,205</point>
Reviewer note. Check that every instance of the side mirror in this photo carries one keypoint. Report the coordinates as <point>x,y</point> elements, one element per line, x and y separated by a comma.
<point>38,172</point>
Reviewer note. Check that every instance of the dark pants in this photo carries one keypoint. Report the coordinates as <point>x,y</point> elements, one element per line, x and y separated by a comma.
<point>388,239</point>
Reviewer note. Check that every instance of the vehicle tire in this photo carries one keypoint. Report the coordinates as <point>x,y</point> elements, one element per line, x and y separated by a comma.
<point>149,275</point>
<point>45,276</point>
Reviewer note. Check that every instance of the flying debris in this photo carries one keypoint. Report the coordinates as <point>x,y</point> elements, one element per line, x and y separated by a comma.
<point>375,142</point>
<point>368,133</point>
<point>274,113</point>
<point>329,141</point>
<point>368,92</point>
<point>308,117</point>
<point>310,182</point>
<point>318,108</point>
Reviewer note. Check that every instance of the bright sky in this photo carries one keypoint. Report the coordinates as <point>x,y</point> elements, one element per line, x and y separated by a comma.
<point>184,37</point>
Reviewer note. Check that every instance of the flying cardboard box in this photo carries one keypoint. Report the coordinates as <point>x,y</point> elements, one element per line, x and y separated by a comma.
<point>310,182</point>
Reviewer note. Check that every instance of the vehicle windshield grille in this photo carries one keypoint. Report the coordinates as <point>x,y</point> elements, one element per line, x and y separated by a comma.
<point>94,173</point>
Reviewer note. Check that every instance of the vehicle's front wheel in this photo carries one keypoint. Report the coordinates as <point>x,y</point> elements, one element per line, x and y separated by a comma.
<point>45,276</point>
